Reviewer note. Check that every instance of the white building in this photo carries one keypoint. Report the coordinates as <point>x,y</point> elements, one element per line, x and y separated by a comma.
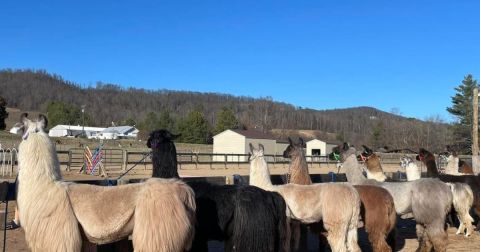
<point>317,147</point>
<point>73,131</point>
<point>237,142</point>
<point>118,132</point>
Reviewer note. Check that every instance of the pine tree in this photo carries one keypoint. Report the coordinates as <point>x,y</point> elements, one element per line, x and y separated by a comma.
<point>165,121</point>
<point>226,120</point>
<point>59,112</point>
<point>150,122</point>
<point>462,101</point>
<point>195,128</point>
<point>462,108</point>
<point>3,113</point>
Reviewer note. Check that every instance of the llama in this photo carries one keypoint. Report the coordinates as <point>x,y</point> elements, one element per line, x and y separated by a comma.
<point>462,196</point>
<point>462,202</point>
<point>373,171</point>
<point>429,200</point>
<point>471,180</point>
<point>411,168</point>
<point>247,218</point>
<point>159,214</point>
<point>378,210</point>
<point>455,166</point>
<point>337,205</point>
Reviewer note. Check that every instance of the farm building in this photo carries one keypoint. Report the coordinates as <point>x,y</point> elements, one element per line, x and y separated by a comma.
<point>237,142</point>
<point>317,147</point>
<point>118,132</point>
<point>73,131</point>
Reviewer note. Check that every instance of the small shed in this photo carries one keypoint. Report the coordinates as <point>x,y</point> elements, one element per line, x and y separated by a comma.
<point>237,142</point>
<point>317,148</point>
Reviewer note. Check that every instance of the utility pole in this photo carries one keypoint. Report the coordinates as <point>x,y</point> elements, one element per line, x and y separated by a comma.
<point>475,157</point>
<point>83,120</point>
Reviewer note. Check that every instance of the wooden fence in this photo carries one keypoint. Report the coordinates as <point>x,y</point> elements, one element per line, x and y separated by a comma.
<point>117,159</point>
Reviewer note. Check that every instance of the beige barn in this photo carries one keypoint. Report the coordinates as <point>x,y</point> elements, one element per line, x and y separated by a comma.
<point>317,147</point>
<point>237,142</point>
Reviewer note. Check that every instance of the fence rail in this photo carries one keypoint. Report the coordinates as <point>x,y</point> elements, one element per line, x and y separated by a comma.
<point>117,159</point>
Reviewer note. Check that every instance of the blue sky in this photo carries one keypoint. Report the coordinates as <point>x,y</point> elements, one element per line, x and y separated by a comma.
<point>407,55</point>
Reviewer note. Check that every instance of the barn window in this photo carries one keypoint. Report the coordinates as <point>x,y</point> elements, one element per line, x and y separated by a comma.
<point>316,152</point>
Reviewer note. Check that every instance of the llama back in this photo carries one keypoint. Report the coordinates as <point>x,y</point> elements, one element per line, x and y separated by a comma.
<point>255,220</point>
<point>172,198</point>
<point>48,214</point>
<point>462,197</point>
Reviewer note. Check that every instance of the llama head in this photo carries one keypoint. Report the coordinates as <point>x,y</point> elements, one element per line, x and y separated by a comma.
<point>405,161</point>
<point>445,156</point>
<point>161,136</point>
<point>342,152</point>
<point>422,154</point>
<point>26,127</point>
<point>294,149</point>
<point>255,153</point>
<point>366,154</point>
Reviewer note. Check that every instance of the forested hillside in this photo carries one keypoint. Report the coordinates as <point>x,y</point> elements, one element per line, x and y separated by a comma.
<point>107,103</point>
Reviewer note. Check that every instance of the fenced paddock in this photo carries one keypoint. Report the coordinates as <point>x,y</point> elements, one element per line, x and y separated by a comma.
<point>8,161</point>
<point>118,160</point>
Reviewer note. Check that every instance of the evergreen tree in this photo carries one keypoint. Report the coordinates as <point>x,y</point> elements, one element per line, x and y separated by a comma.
<point>150,123</point>
<point>129,122</point>
<point>165,121</point>
<point>377,137</point>
<point>195,128</point>
<point>3,113</point>
<point>59,112</point>
<point>462,101</point>
<point>226,120</point>
<point>462,108</point>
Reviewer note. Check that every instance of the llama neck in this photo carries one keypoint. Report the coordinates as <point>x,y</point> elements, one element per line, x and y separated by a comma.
<point>452,166</point>
<point>260,175</point>
<point>353,170</point>
<point>299,171</point>
<point>38,161</point>
<point>432,170</point>
<point>373,165</point>
<point>164,159</point>
<point>413,173</point>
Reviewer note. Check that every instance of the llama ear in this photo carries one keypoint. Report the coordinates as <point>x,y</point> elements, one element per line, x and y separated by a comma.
<point>24,119</point>
<point>290,141</point>
<point>42,119</point>
<point>251,148</point>
<point>367,150</point>
<point>260,146</point>
<point>301,142</point>
<point>345,146</point>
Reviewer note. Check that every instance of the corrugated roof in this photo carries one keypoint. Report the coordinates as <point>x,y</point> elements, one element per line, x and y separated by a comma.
<point>77,127</point>
<point>119,129</point>
<point>254,134</point>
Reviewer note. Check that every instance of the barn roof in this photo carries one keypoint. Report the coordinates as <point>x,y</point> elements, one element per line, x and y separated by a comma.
<point>76,127</point>
<point>119,129</point>
<point>254,134</point>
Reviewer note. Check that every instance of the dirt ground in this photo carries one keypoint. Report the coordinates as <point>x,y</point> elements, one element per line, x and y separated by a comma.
<point>406,238</point>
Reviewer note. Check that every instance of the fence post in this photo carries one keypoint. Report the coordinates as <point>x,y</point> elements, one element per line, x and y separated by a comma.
<point>69,163</point>
<point>125,159</point>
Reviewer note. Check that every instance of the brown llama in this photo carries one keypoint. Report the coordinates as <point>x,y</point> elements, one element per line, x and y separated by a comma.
<point>377,207</point>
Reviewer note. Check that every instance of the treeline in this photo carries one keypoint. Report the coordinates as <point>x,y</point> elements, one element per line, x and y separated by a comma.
<point>107,103</point>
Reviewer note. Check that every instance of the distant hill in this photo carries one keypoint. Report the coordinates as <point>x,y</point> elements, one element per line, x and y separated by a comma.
<point>30,90</point>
